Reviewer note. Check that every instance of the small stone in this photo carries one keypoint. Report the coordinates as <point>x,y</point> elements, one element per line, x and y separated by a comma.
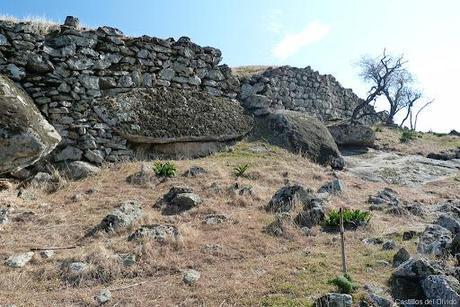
<point>103,296</point>
<point>18,261</point>
<point>191,277</point>
<point>409,235</point>
<point>335,187</point>
<point>69,153</point>
<point>47,254</point>
<point>389,245</point>
<point>77,170</point>
<point>214,219</point>
<point>195,171</point>
<point>401,256</point>
<point>121,217</point>
<point>335,300</point>
<point>73,22</point>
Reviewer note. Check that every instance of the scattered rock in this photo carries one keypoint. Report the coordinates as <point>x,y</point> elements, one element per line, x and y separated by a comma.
<point>375,297</point>
<point>20,260</point>
<point>121,217</point>
<point>286,198</point>
<point>159,232</point>
<point>47,254</point>
<point>25,137</point>
<point>195,171</point>
<point>73,272</point>
<point>214,219</point>
<point>279,226</point>
<point>184,201</point>
<point>4,214</point>
<point>213,249</point>
<point>103,296</point>
<point>335,187</point>
<point>350,134</point>
<point>127,259</point>
<point>313,214</point>
<point>435,240</point>
<point>373,241</point>
<point>409,235</point>
<point>27,195</point>
<point>442,290</point>
<point>299,133</point>
<point>178,199</point>
<point>401,256</point>
<point>191,277</point>
<point>142,177</point>
<point>450,223</point>
<point>77,170</point>
<point>407,278</point>
<point>389,245</point>
<point>385,197</point>
<point>334,300</point>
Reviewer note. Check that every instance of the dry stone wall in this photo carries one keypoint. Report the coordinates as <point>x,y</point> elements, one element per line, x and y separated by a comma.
<point>65,69</point>
<point>300,89</point>
<point>68,70</point>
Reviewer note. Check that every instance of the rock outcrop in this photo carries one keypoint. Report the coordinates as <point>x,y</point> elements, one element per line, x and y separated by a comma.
<point>25,135</point>
<point>349,134</point>
<point>299,133</point>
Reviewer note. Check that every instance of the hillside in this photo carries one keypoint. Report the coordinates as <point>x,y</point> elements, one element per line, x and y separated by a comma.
<point>239,263</point>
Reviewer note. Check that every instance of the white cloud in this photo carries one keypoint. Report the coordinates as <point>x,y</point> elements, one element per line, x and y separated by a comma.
<point>290,44</point>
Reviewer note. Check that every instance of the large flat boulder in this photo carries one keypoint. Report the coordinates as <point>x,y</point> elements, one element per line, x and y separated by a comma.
<point>167,115</point>
<point>299,133</point>
<point>25,135</point>
<point>351,134</point>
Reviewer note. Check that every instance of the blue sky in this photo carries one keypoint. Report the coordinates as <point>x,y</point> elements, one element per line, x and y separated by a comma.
<point>330,36</point>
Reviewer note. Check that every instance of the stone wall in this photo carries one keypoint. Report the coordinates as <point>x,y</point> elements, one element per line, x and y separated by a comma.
<point>65,69</point>
<point>299,89</point>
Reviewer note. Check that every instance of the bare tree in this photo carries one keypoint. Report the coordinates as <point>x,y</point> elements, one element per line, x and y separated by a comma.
<point>410,97</point>
<point>388,77</point>
<point>413,120</point>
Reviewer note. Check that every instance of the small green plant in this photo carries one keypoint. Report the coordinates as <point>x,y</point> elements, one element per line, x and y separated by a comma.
<point>408,135</point>
<point>378,129</point>
<point>166,169</point>
<point>344,284</point>
<point>353,218</point>
<point>241,169</point>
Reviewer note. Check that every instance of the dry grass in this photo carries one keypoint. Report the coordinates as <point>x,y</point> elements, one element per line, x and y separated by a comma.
<point>425,143</point>
<point>39,24</point>
<point>248,71</point>
<point>252,268</point>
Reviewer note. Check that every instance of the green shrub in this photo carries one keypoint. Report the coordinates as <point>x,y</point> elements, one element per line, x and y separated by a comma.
<point>344,284</point>
<point>166,169</point>
<point>407,135</point>
<point>241,169</point>
<point>352,218</point>
<point>378,129</point>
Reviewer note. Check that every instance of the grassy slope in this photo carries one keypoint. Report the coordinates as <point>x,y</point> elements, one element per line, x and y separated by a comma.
<point>253,267</point>
<point>388,139</point>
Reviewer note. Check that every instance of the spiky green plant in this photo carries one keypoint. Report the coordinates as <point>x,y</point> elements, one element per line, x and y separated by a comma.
<point>240,170</point>
<point>166,169</point>
<point>350,218</point>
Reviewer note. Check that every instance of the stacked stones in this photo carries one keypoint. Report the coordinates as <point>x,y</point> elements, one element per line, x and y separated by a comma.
<point>298,89</point>
<point>64,68</point>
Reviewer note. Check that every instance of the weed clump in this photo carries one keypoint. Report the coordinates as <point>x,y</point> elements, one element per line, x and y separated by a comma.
<point>166,169</point>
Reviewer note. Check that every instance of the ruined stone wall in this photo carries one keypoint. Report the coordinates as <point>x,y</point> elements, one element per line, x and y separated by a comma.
<point>299,89</point>
<point>65,69</point>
